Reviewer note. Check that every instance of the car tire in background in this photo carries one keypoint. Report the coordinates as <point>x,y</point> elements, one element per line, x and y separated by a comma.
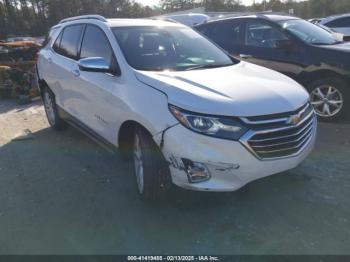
<point>150,168</point>
<point>330,98</point>
<point>51,110</point>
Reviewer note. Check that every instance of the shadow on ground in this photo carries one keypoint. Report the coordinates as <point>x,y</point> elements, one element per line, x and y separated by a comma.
<point>62,194</point>
<point>7,105</point>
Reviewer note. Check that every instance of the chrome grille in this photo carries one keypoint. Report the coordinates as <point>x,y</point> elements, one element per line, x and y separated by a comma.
<point>276,137</point>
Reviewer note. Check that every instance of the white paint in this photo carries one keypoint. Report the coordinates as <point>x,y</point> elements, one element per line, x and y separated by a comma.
<point>104,102</point>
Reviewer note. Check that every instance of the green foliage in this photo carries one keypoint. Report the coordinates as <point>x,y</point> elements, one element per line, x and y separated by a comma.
<point>34,17</point>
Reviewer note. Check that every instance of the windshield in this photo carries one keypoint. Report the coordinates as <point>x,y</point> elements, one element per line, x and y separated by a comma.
<point>168,48</point>
<point>309,33</point>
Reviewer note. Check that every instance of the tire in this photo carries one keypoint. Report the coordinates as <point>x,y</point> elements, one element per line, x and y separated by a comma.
<point>51,110</point>
<point>151,172</point>
<point>330,98</point>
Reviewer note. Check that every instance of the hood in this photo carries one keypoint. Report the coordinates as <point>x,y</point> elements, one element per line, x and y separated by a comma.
<point>343,47</point>
<point>241,90</point>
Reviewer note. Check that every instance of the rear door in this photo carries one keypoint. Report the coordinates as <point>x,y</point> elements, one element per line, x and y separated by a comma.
<point>228,34</point>
<point>64,68</point>
<point>260,47</point>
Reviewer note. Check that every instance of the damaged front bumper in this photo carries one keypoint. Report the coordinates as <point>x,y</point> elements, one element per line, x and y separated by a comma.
<point>203,163</point>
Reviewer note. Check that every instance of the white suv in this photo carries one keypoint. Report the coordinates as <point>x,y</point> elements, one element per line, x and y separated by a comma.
<point>188,113</point>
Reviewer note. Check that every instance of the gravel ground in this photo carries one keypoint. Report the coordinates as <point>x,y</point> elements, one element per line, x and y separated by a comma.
<point>62,194</point>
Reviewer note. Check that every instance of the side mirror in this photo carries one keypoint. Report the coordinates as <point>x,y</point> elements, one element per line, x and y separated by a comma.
<point>94,64</point>
<point>283,44</point>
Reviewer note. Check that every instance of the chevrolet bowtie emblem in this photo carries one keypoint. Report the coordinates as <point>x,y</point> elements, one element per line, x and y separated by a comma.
<point>294,120</point>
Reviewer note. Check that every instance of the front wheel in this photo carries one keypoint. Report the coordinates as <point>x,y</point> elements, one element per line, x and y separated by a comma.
<point>150,169</point>
<point>330,98</point>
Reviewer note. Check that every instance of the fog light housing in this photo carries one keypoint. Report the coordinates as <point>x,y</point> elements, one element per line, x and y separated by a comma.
<point>196,172</point>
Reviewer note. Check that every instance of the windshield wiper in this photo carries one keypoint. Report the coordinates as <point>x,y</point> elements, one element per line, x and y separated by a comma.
<point>207,66</point>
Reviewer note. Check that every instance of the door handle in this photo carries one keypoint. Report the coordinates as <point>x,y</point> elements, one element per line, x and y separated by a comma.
<point>49,60</point>
<point>76,72</point>
<point>243,56</point>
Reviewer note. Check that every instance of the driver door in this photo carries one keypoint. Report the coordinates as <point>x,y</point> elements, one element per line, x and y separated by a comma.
<point>260,47</point>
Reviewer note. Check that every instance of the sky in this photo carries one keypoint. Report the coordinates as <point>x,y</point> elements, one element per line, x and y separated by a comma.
<point>155,2</point>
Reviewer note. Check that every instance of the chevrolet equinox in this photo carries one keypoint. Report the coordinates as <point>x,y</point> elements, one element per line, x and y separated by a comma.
<point>181,109</point>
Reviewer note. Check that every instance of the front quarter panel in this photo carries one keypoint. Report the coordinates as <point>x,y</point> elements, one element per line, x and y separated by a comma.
<point>135,101</point>
<point>325,62</point>
<point>144,105</point>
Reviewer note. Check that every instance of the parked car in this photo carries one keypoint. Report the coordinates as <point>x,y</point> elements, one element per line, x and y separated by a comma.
<point>339,23</point>
<point>194,117</point>
<point>339,36</point>
<point>187,19</point>
<point>309,54</point>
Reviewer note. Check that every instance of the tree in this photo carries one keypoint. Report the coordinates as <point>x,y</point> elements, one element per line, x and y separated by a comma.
<point>35,17</point>
<point>176,5</point>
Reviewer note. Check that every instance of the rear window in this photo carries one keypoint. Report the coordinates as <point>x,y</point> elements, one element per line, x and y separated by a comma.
<point>227,32</point>
<point>56,45</point>
<point>69,44</point>
<point>205,29</point>
<point>48,37</point>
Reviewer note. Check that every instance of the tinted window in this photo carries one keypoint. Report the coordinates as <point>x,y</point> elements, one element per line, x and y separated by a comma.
<point>226,32</point>
<point>205,29</point>
<point>96,44</point>
<point>341,22</point>
<point>48,38</point>
<point>56,45</point>
<point>168,48</point>
<point>70,41</point>
<point>261,34</point>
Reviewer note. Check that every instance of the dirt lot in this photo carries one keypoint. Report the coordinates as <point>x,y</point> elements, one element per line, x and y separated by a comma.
<point>62,194</point>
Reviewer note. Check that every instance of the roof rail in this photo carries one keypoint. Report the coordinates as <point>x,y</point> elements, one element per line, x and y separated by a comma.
<point>243,14</point>
<point>164,18</point>
<point>96,17</point>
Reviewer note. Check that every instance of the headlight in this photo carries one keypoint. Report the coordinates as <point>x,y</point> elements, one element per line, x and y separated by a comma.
<point>220,127</point>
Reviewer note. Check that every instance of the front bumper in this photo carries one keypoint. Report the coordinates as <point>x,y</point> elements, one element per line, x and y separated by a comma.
<point>230,164</point>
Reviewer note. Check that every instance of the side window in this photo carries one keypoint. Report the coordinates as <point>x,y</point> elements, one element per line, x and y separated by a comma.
<point>341,22</point>
<point>261,34</point>
<point>56,45</point>
<point>227,32</point>
<point>70,41</point>
<point>205,29</point>
<point>48,37</point>
<point>96,44</point>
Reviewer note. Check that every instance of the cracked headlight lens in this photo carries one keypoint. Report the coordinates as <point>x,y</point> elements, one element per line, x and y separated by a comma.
<point>220,127</point>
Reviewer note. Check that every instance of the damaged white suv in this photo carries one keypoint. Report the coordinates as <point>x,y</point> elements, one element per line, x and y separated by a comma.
<point>188,113</point>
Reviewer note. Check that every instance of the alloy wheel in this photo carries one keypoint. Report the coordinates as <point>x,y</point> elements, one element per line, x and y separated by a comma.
<point>327,101</point>
<point>138,163</point>
<point>49,108</point>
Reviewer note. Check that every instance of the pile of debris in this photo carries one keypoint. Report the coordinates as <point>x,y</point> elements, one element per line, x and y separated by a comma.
<point>17,83</point>
<point>18,51</point>
<point>17,74</point>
